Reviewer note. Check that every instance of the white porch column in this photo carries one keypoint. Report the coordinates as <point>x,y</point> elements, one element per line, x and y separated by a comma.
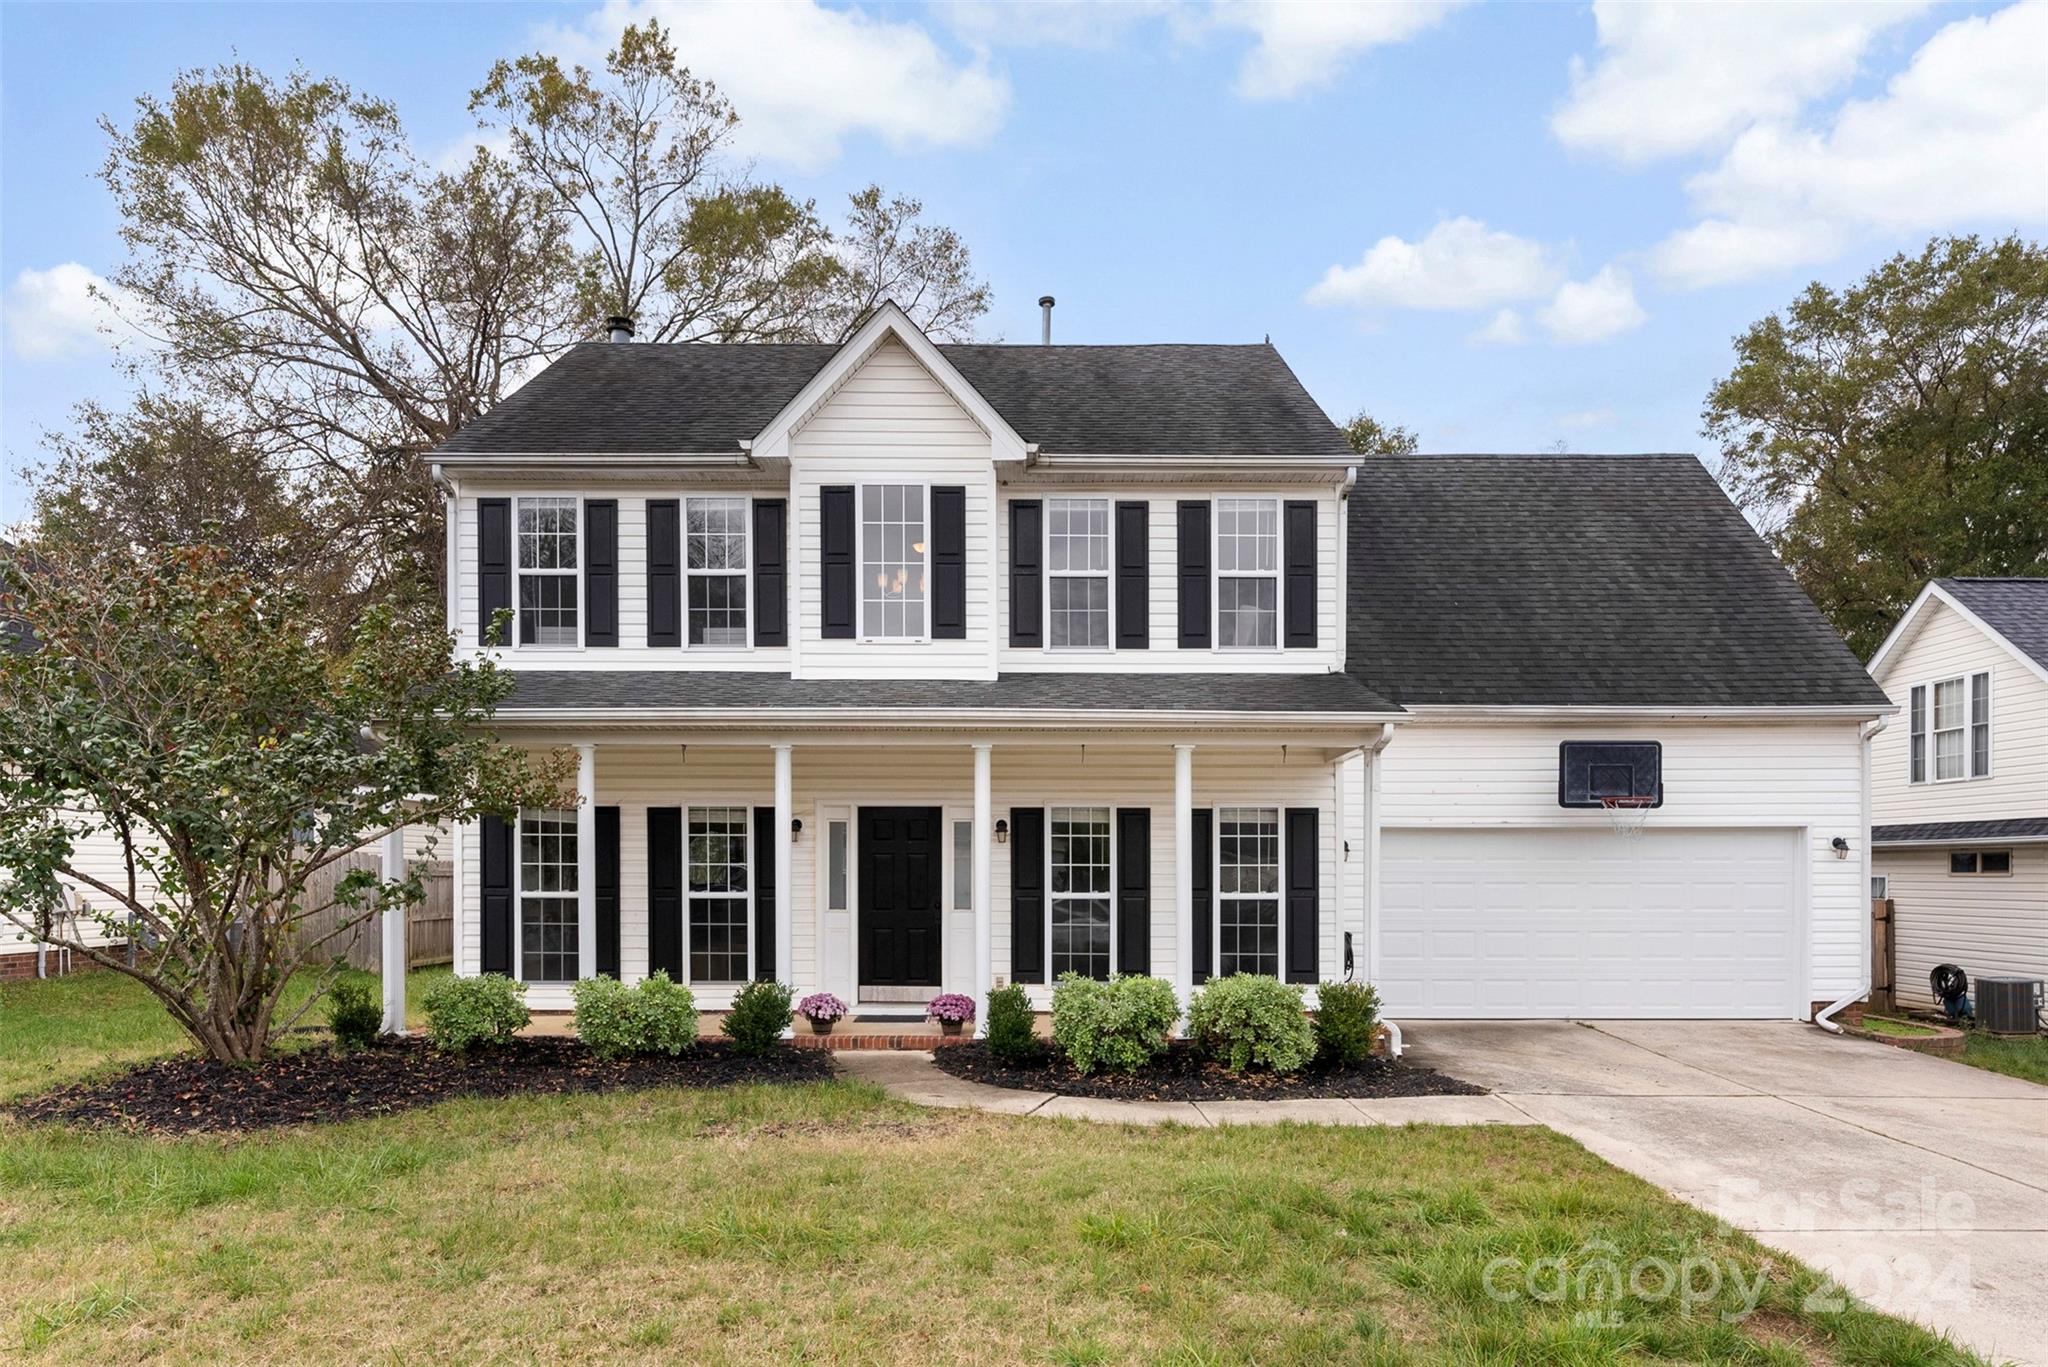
<point>1184,872</point>
<point>394,945</point>
<point>586,861</point>
<point>984,912</point>
<point>785,896</point>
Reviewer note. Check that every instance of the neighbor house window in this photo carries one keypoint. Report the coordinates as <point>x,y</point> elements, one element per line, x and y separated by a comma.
<point>1247,573</point>
<point>1980,725</point>
<point>1077,573</point>
<point>715,558</point>
<point>1960,737</point>
<point>1916,762</point>
<point>1880,885</point>
<point>547,897</point>
<point>892,561</point>
<point>1992,863</point>
<point>547,572</point>
<point>1078,864</point>
<point>1247,890</point>
<point>718,894</point>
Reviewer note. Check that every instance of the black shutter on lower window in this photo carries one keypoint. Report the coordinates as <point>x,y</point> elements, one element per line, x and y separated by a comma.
<point>1027,894</point>
<point>493,565</point>
<point>1027,573</point>
<point>665,891</point>
<point>608,891</point>
<point>949,563</point>
<point>1133,576</point>
<point>1298,555</point>
<point>1191,556</point>
<point>1202,892</point>
<point>1134,889</point>
<point>764,893</point>
<point>495,887</point>
<point>664,572</point>
<point>1303,881</point>
<point>835,543</point>
<point>600,572</point>
<point>771,572</point>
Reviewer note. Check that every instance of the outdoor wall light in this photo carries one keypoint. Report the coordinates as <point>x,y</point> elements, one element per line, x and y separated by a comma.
<point>1840,847</point>
<point>796,828</point>
<point>1002,832</point>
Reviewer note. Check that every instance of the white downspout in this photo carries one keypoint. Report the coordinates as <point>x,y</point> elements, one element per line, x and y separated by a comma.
<point>1395,1046</point>
<point>1825,1018</point>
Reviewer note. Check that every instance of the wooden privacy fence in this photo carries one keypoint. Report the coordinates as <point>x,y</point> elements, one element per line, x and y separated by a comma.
<point>430,926</point>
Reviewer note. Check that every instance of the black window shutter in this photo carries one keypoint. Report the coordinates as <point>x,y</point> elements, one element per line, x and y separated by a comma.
<point>664,572</point>
<point>1192,556</point>
<point>600,572</point>
<point>771,572</point>
<point>949,563</point>
<point>493,564</point>
<point>764,893</point>
<point>495,885</point>
<point>1027,573</point>
<point>608,891</point>
<point>1134,889</point>
<point>1202,891</point>
<point>1298,554</point>
<point>1133,577</point>
<point>1027,894</point>
<point>665,890</point>
<point>1304,877</point>
<point>835,508</point>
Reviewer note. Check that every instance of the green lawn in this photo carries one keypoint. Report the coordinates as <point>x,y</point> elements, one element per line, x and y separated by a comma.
<point>2022,1056</point>
<point>1886,1025</point>
<point>827,1223</point>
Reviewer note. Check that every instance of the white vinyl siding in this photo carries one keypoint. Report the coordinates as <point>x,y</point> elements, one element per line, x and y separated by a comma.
<point>1995,925</point>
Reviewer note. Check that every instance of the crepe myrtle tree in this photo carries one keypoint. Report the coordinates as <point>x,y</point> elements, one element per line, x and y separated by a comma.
<point>169,698</point>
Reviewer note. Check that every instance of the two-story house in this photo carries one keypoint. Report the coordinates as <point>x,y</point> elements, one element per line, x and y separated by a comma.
<point>1960,801</point>
<point>895,667</point>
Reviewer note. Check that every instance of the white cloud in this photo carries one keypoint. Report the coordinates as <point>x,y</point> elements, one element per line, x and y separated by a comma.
<point>1719,252</point>
<point>1586,418</point>
<point>1596,310</point>
<point>1503,329</point>
<point>1301,46</point>
<point>1065,23</point>
<point>805,78</point>
<point>62,312</point>
<point>1461,264</point>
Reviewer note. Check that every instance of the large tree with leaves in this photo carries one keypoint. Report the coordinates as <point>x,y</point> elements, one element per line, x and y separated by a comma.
<point>1897,430</point>
<point>179,704</point>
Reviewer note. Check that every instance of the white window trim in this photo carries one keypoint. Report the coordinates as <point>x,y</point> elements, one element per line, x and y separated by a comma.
<point>1279,575</point>
<point>582,530</point>
<point>1115,945</point>
<point>747,532</point>
<point>1929,773</point>
<point>860,562</point>
<point>1216,894</point>
<point>753,925</point>
<point>519,893</point>
<point>1881,886</point>
<point>1916,742</point>
<point>1979,871</point>
<point>1107,576</point>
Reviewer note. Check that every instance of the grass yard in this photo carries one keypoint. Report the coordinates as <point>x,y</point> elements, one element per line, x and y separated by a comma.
<point>1886,1025</point>
<point>826,1223</point>
<point>2019,1056</point>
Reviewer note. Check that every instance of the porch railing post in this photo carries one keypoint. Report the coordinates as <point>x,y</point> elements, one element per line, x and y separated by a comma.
<point>586,861</point>
<point>785,955</point>
<point>984,914</point>
<point>1184,872</point>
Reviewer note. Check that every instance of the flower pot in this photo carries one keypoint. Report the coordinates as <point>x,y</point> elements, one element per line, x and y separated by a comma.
<point>822,1025</point>
<point>950,1027</point>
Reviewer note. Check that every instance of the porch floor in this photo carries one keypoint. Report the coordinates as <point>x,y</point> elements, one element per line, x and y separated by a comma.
<point>851,1033</point>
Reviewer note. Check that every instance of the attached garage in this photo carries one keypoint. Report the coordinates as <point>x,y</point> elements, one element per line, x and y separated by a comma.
<point>1549,922</point>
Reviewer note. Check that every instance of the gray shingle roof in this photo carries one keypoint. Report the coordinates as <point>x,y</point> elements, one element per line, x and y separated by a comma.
<point>1578,581</point>
<point>606,398</point>
<point>1960,832</point>
<point>2016,609</point>
<point>568,690</point>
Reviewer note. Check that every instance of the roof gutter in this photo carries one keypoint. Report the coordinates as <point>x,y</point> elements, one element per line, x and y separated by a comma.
<point>1825,1017</point>
<point>1602,711</point>
<point>697,460</point>
<point>1006,718</point>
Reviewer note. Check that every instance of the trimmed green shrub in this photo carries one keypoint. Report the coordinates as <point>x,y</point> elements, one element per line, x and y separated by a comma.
<point>668,1015</point>
<point>1118,1026</point>
<point>760,1013</point>
<point>1012,1029</point>
<point>353,1013</point>
<point>463,1013</point>
<point>1250,1019</point>
<point>656,1017</point>
<point>604,1017</point>
<point>1347,1022</point>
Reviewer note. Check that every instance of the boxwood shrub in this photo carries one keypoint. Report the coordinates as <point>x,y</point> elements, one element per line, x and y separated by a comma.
<point>1249,1019</point>
<point>1118,1026</point>
<point>759,1014</point>
<point>1347,1022</point>
<point>656,1017</point>
<point>353,1013</point>
<point>463,1013</point>
<point>1012,1030</point>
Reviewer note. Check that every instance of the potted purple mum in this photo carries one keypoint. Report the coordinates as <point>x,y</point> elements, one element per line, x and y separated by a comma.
<point>822,1010</point>
<point>951,1010</point>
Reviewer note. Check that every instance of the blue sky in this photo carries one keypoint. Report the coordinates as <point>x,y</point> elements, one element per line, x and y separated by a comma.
<point>1503,226</point>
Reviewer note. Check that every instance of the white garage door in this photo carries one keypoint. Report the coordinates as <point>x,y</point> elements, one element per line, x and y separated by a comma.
<point>1530,923</point>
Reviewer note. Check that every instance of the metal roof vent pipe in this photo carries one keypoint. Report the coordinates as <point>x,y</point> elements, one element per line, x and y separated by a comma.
<point>1045,320</point>
<point>618,328</point>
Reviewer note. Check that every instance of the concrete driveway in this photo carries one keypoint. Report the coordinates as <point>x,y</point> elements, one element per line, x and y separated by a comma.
<point>1919,1184</point>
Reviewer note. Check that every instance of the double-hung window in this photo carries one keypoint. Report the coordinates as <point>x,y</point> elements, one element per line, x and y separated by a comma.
<point>1247,573</point>
<point>719,902</point>
<point>1949,729</point>
<point>1077,570</point>
<point>715,559</point>
<point>1248,890</point>
<point>1078,863</point>
<point>892,561</point>
<point>547,897</point>
<point>547,572</point>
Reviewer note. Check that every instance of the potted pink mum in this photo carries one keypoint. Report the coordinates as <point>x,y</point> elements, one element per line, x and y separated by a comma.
<point>951,1010</point>
<point>822,1010</point>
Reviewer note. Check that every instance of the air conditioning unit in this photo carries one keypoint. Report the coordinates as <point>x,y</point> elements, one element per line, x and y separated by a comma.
<point>2009,1006</point>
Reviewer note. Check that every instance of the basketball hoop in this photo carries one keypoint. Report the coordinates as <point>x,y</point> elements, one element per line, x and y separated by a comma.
<point>1629,814</point>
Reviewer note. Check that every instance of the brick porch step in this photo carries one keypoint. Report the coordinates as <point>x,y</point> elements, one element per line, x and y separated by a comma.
<point>873,1037</point>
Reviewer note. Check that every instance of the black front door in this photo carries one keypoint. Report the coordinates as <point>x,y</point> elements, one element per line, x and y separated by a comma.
<point>899,896</point>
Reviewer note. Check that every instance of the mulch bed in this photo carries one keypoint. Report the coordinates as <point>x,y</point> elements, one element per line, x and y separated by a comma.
<point>1182,1074</point>
<point>314,1086</point>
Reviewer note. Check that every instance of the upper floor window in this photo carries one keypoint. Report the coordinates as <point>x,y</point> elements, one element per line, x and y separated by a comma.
<point>892,561</point>
<point>547,572</point>
<point>1247,573</point>
<point>715,560</point>
<point>1952,737</point>
<point>1077,567</point>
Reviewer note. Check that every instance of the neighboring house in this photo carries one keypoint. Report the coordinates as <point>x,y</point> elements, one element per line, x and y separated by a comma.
<point>895,667</point>
<point>1960,795</point>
